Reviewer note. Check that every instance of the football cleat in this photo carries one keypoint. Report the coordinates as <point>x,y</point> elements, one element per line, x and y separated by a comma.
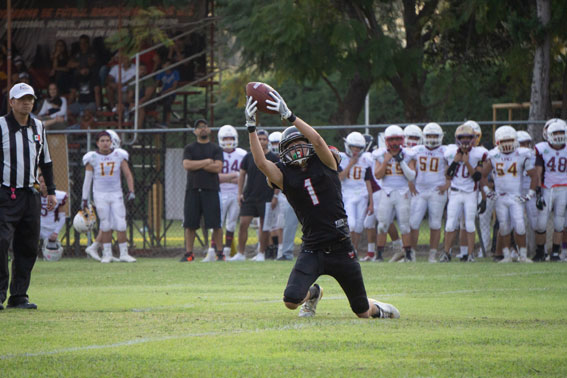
<point>555,257</point>
<point>238,257</point>
<point>470,258</point>
<point>445,258</point>
<point>432,258</point>
<point>106,257</point>
<point>92,252</point>
<point>399,255</point>
<point>211,256</point>
<point>126,258</point>
<point>226,252</point>
<point>369,257</point>
<point>539,257</point>
<point>385,310</point>
<point>187,257</point>
<point>309,307</point>
<point>260,257</point>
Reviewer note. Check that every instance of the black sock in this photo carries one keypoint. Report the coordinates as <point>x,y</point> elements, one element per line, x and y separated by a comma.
<point>379,251</point>
<point>228,239</point>
<point>408,252</point>
<point>313,291</point>
<point>556,248</point>
<point>540,249</point>
<point>275,240</point>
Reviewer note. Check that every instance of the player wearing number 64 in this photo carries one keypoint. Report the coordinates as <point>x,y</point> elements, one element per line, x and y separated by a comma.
<point>307,175</point>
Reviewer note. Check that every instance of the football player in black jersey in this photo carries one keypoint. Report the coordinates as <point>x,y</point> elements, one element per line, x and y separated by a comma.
<point>307,175</point>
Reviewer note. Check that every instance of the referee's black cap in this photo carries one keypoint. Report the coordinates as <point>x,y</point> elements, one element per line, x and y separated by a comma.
<point>199,121</point>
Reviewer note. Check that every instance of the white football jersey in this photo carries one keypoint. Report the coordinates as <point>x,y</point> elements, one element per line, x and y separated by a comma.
<point>354,184</point>
<point>554,165</point>
<point>394,178</point>
<point>48,217</point>
<point>508,170</point>
<point>463,178</point>
<point>106,168</point>
<point>231,163</point>
<point>430,167</point>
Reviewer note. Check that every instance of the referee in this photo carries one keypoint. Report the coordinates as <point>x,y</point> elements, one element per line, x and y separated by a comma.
<point>23,148</point>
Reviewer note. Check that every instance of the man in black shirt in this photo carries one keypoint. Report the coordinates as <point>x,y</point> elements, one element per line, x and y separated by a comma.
<point>307,175</point>
<point>203,162</point>
<point>253,199</point>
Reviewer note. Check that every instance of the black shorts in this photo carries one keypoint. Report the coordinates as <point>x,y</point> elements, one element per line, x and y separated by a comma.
<point>201,202</point>
<point>339,264</point>
<point>251,208</point>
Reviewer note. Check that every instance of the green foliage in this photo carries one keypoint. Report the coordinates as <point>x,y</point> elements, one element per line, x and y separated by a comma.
<point>158,317</point>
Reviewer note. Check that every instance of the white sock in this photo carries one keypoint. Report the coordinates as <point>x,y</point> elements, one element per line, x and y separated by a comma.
<point>95,245</point>
<point>523,252</point>
<point>107,249</point>
<point>123,248</point>
<point>371,247</point>
<point>464,250</point>
<point>432,250</point>
<point>506,252</point>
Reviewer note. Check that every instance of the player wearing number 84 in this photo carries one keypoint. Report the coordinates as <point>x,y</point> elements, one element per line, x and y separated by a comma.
<point>307,175</point>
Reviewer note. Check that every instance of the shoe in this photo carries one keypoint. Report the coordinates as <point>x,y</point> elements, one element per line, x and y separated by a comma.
<point>308,308</point>
<point>463,258</point>
<point>126,258</point>
<point>238,257</point>
<point>368,258</point>
<point>400,255</point>
<point>385,310</point>
<point>445,258</point>
<point>260,257</point>
<point>25,305</point>
<point>555,257</point>
<point>284,258</point>
<point>409,256</point>
<point>92,252</point>
<point>506,259</point>
<point>106,258</point>
<point>470,258</point>
<point>524,259</point>
<point>211,256</point>
<point>220,257</point>
<point>479,254</point>
<point>539,257</point>
<point>497,258</point>
<point>187,257</point>
<point>226,252</point>
<point>432,258</point>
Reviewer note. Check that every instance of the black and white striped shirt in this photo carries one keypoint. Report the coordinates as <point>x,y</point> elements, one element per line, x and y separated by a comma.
<point>23,149</point>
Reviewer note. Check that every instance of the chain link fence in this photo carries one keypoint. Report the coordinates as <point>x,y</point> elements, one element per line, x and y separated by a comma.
<point>154,218</point>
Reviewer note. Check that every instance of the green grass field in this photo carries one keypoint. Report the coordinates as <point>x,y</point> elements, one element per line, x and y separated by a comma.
<point>158,317</point>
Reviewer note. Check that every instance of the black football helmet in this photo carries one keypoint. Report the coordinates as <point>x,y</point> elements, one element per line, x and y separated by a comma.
<point>298,154</point>
<point>370,143</point>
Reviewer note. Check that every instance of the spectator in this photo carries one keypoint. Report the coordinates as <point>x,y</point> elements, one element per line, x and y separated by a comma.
<point>147,90</point>
<point>203,162</point>
<point>127,75</point>
<point>168,81</point>
<point>177,52</point>
<point>85,93</point>
<point>253,199</point>
<point>86,56</point>
<point>60,71</point>
<point>54,106</point>
<point>103,56</point>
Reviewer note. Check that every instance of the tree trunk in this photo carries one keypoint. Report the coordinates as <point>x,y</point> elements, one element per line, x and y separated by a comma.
<point>352,103</point>
<point>410,94</point>
<point>564,92</point>
<point>540,102</point>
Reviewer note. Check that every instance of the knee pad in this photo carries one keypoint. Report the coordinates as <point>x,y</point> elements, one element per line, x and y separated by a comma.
<point>504,228</point>
<point>469,224</point>
<point>558,222</point>
<point>120,224</point>
<point>404,228</point>
<point>383,228</point>
<point>434,223</point>
<point>104,225</point>
<point>370,221</point>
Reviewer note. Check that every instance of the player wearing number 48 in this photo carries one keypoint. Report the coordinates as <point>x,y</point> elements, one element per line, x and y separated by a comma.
<point>307,175</point>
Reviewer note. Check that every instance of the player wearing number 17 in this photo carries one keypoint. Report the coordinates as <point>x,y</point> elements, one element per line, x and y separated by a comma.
<point>307,175</point>
<point>102,170</point>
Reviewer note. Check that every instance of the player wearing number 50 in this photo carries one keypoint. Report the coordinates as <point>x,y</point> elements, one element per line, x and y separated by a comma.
<point>102,170</point>
<point>307,175</point>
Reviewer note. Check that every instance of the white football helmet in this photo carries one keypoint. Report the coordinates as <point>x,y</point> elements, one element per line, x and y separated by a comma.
<point>274,141</point>
<point>115,139</point>
<point>523,136</point>
<point>354,139</point>
<point>506,139</point>
<point>547,123</point>
<point>477,131</point>
<point>413,136</point>
<point>432,135</point>
<point>52,251</point>
<point>85,220</point>
<point>394,138</point>
<point>228,131</point>
<point>556,132</point>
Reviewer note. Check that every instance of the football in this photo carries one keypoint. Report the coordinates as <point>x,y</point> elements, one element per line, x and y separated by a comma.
<point>260,92</point>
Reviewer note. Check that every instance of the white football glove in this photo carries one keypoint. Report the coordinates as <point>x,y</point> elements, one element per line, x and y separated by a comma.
<point>278,105</point>
<point>250,113</point>
<point>527,197</point>
<point>131,196</point>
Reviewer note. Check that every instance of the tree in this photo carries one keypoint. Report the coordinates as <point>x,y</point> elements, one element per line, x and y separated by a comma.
<point>540,103</point>
<point>361,41</point>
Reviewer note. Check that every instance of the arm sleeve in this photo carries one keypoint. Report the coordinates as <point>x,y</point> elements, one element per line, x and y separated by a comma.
<point>87,184</point>
<point>46,165</point>
<point>408,172</point>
